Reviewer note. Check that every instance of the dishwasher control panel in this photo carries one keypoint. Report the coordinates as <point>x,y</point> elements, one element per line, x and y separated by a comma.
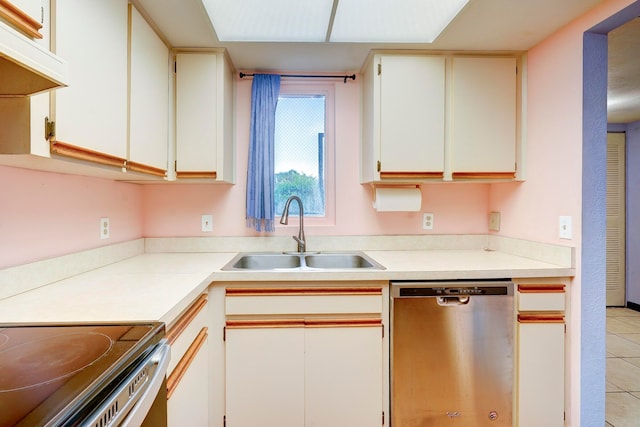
<point>453,288</point>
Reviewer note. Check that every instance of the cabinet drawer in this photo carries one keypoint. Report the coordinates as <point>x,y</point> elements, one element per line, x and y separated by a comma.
<point>541,297</point>
<point>185,330</point>
<point>300,301</point>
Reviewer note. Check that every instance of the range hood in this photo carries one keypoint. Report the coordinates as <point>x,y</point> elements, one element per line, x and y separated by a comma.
<point>26,68</point>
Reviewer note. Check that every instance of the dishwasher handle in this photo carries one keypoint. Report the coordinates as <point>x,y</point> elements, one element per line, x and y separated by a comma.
<point>453,300</point>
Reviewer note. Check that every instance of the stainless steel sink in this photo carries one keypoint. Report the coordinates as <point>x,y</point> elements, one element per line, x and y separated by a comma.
<point>264,261</point>
<point>339,260</point>
<point>302,261</point>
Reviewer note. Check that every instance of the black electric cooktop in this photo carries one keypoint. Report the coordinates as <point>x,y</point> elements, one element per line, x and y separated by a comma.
<point>49,374</point>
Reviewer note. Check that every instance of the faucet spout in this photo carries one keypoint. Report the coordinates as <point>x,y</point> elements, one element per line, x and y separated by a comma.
<point>300,239</point>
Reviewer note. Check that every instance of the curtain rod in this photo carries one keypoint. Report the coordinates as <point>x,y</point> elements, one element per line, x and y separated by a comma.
<point>308,76</point>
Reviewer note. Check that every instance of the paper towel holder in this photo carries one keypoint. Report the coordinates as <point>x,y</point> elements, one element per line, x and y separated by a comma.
<point>375,186</point>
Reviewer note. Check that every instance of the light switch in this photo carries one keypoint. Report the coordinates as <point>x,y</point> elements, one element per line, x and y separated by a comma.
<point>207,222</point>
<point>565,227</point>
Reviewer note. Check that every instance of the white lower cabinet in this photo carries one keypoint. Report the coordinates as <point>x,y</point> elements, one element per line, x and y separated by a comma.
<point>309,367</point>
<point>265,376</point>
<point>541,374</point>
<point>343,384</point>
<point>188,404</point>
<point>188,372</point>
<point>540,348</point>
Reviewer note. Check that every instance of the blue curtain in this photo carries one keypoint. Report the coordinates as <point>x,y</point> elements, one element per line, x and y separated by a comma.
<point>260,172</point>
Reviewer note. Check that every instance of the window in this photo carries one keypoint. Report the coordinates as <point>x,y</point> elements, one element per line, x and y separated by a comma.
<point>304,150</point>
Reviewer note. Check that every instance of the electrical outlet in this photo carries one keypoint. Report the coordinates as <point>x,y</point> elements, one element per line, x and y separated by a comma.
<point>494,221</point>
<point>565,227</point>
<point>427,221</point>
<point>207,222</point>
<point>104,228</point>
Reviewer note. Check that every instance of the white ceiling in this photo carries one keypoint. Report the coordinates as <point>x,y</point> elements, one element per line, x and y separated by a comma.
<point>496,25</point>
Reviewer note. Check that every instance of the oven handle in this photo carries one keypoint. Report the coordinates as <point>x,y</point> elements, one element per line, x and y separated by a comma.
<point>160,358</point>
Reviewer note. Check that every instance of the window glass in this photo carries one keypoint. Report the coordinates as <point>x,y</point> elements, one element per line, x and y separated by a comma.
<point>301,150</point>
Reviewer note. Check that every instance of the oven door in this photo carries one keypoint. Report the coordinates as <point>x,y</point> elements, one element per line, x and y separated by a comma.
<point>139,399</point>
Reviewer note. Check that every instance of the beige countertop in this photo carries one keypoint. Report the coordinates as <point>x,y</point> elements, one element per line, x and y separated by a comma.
<point>159,286</point>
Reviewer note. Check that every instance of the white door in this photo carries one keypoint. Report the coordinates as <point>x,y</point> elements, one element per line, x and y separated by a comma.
<point>540,370</point>
<point>196,112</point>
<point>412,108</point>
<point>343,376</point>
<point>483,123</point>
<point>149,96</point>
<point>265,376</point>
<point>92,37</point>
<point>616,212</point>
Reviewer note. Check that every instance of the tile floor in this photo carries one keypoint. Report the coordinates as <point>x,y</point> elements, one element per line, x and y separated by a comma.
<point>623,368</point>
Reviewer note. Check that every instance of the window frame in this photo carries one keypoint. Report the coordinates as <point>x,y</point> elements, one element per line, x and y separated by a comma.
<point>303,87</point>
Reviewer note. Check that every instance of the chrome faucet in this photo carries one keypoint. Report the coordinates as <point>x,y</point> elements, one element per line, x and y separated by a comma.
<point>302,243</point>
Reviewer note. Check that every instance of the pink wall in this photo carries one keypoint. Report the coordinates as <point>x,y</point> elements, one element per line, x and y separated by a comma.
<point>554,146</point>
<point>174,210</point>
<point>554,139</point>
<point>43,214</point>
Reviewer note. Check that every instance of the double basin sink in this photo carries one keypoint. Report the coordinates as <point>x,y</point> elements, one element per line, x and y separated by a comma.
<point>302,261</point>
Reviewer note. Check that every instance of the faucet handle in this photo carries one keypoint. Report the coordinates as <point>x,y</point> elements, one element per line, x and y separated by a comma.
<point>302,245</point>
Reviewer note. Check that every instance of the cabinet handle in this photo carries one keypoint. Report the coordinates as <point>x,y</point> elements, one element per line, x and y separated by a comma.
<point>303,323</point>
<point>541,289</point>
<point>304,291</point>
<point>196,175</point>
<point>20,19</point>
<point>484,175</point>
<point>342,323</point>
<point>183,365</point>
<point>149,170</point>
<point>181,324</point>
<point>540,318</point>
<point>267,323</point>
<point>80,153</point>
<point>411,175</point>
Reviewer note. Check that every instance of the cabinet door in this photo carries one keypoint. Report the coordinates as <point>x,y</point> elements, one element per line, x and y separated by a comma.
<point>412,108</point>
<point>149,115</point>
<point>31,8</point>
<point>188,403</point>
<point>483,123</point>
<point>343,376</point>
<point>540,369</point>
<point>265,376</point>
<point>92,37</point>
<point>196,112</point>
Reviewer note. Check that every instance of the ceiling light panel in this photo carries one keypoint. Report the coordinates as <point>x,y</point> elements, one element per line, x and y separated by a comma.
<point>397,21</point>
<point>270,21</point>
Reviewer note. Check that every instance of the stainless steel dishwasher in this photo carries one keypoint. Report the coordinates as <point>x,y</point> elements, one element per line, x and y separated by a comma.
<point>451,353</point>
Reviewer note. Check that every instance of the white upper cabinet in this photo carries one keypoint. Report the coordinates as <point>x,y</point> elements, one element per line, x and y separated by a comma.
<point>22,129</point>
<point>149,98</point>
<point>439,117</point>
<point>483,135</point>
<point>404,117</point>
<point>204,117</point>
<point>92,112</point>
<point>411,111</point>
